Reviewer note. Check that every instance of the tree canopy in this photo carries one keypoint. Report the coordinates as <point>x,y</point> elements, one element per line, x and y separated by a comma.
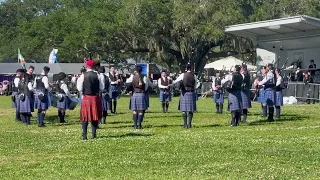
<point>171,32</point>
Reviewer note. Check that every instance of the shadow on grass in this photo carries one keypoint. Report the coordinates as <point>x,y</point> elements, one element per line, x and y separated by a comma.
<point>163,126</point>
<point>284,118</point>
<point>131,134</point>
<point>209,126</point>
<point>119,122</point>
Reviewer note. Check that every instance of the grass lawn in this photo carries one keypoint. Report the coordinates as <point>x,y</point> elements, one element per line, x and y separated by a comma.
<point>286,149</point>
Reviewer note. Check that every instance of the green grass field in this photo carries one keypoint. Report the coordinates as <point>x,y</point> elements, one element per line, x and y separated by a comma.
<point>286,149</point>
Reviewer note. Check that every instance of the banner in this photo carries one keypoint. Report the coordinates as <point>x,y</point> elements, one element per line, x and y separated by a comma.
<point>53,56</point>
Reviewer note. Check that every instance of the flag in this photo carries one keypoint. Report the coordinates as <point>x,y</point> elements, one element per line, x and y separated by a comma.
<point>53,56</point>
<point>21,59</point>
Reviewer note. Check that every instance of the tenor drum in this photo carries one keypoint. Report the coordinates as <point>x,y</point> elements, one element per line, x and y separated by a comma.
<point>73,103</point>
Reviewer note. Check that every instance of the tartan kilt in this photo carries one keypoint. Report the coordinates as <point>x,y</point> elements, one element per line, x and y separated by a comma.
<point>246,99</point>
<point>165,96</point>
<point>114,92</point>
<point>270,97</point>
<point>64,102</point>
<point>25,106</point>
<point>91,109</point>
<point>138,102</point>
<point>15,104</point>
<point>187,102</point>
<point>105,98</point>
<point>218,96</point>
<point>234,101</point>
<point>279,98</point>
<point>261,98</point>
<point>146,94</point>
<point>44,104</point>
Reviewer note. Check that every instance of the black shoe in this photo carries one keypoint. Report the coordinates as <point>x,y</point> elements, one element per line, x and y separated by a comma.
<point>270,120</point>
<point>42,125</point>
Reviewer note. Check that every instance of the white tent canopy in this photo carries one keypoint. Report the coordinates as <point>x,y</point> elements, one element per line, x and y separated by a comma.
<point>227,64</point>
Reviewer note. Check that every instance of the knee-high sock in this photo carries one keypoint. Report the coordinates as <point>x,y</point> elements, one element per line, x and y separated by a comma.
<point>245,115</point>
<point>190,117</point>
<point>135,119</point>
<point>140,118</point>
<point>27,119</point>
<point>23,117</point>
<point>163,107</point>
<point>61,114</point>
<point>18,116</point>
<point>278,111</point>
<point>233,118</point>
<point>185,117</point>
<point>271,112</point>
<point>167,106</point>
<point>217,107</point>
<point>264,111</point>
<point>84,130</point>
<point>220,108</point>
<point>104,117</point>
<point>110,104</point>
<point>41,118</point>
<point>238,117</point>
<point>115,106</point>
<point>94,127</point>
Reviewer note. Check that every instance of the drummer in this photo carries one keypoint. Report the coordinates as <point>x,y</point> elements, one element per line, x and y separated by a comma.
<point>25,103</point>
<point>42,88</point>
<point>65,96</point>
<point>15,96</point>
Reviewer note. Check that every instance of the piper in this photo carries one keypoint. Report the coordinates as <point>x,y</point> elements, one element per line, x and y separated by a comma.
<point>90,84</point>
<point>187,104</point>
<point>165,91</point>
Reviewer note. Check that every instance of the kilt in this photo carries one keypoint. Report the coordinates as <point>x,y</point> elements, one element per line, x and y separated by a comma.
<point>105,102</point>
<point>91,109</point>
<point>138,102</point>
<point>114,92</point>
<point>246,99</point>
<point>165,96</point>
<point>261,98</point>
<point>146,95</point>
<point>279,98</point>
<point>64,102</point>
<point>218,96</point>
<point>16,103</point>
<point>187,102</point>
<point>25,106</point>
<point>234,101</point>
<point>270,97</point>
<point>44,104</point>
